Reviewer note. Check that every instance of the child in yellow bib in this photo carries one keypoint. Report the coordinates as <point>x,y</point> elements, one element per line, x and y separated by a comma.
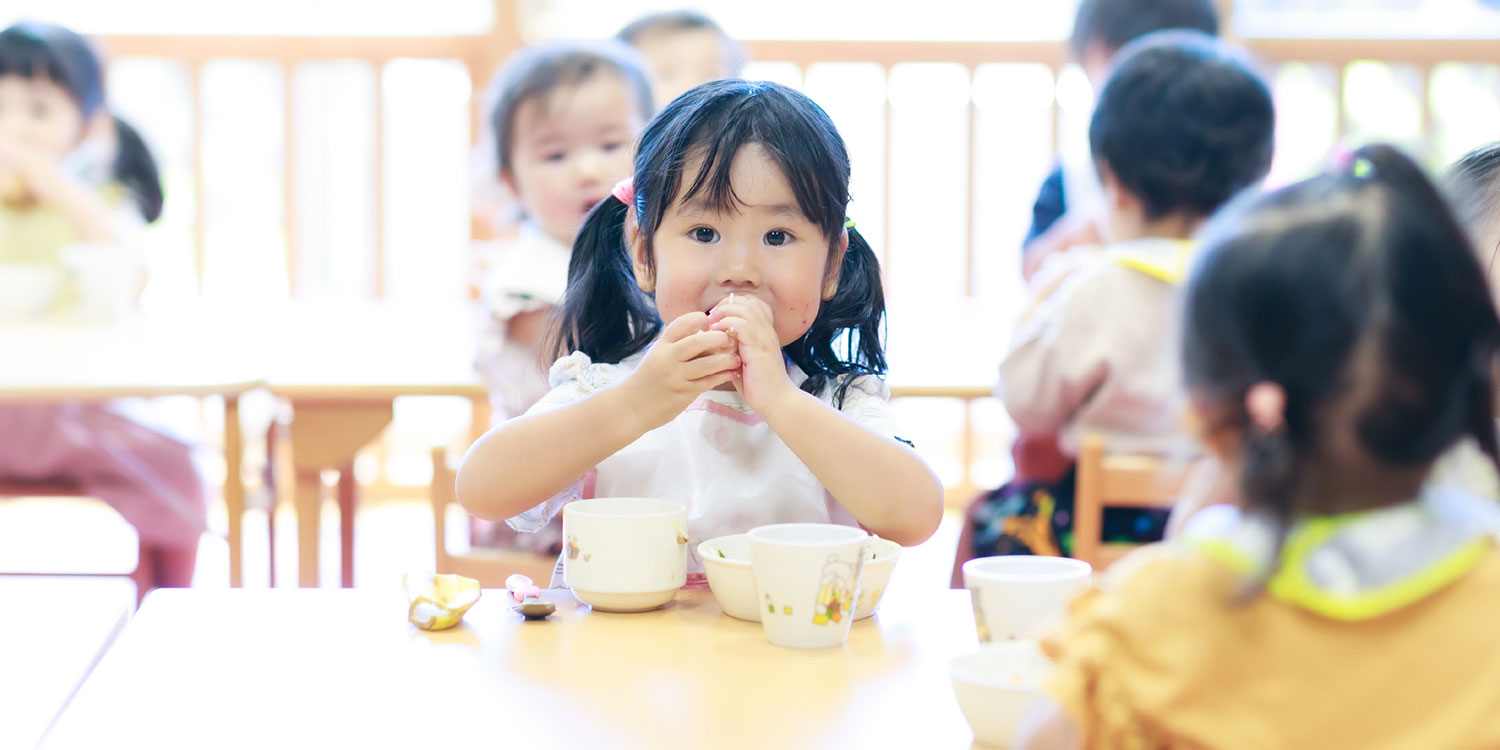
<point>1338,339</point>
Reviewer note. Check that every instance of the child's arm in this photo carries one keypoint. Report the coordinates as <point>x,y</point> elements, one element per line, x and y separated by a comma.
<point>521,463</point>
<point>886,486</point>
<point>41,179</point>
<point>1059,357</point>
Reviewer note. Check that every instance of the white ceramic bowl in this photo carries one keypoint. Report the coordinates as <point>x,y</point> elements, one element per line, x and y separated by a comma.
<point>27,289</point>
<point>880,562</point>
<point>726,561</point>
<point>995,685</point>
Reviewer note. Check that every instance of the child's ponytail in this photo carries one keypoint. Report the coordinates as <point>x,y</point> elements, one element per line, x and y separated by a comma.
<point>1435,241</point>
<point>850,321</point>
<point>603,313</point>
<point>1358,294</point>
<point>136,170</point>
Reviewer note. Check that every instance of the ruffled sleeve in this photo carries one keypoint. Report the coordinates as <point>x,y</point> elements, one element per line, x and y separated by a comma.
<point>868,402</point>
<point>573,378</point>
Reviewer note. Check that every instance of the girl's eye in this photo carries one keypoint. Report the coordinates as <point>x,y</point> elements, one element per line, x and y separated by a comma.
<point>705,235</point>
<point>613,146</point>
<point>777,237</point>
<point>554,156</point>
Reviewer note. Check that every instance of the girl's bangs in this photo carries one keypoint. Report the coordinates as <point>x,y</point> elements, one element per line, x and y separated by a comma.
<point>714,144</point>
<point>29,58</point>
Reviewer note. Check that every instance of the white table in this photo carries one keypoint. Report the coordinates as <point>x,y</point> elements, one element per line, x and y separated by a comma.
<point>343,668</point>
<point>52,633</point>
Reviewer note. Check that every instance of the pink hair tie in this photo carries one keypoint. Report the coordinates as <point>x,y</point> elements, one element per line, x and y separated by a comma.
<point>624,191</point>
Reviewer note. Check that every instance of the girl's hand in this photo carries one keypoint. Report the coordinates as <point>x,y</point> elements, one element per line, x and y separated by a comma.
<point>762,378</point>
<point>27,175</point>
<point>686,360</point>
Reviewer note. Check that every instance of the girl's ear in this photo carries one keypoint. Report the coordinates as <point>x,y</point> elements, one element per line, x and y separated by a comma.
<point>635,242</point>
<point>835,265</point>
<point>509,181</point>
<point>1214,425</point>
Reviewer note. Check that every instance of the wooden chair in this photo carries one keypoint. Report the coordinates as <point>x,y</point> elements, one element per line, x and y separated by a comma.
<point>490,566</point>
<point>143,575</point>
<point>1118,481</point>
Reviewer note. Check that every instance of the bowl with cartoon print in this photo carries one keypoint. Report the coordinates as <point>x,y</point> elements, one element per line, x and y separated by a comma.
<point>880,563</point>
<point>726,561</point>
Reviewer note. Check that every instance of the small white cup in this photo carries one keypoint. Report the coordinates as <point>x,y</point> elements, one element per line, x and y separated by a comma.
<point>1023,596</point>
<point>109,279</point>
<point>624,554</point>
<point>27,290</point>
<point>807,578</point>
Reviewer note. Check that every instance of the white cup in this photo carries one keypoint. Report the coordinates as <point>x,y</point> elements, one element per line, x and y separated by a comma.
<point>624,554</point>
<point>807,578</point>
<point>27,290</point>
<point>1023,596</point>
<point>109,279</point>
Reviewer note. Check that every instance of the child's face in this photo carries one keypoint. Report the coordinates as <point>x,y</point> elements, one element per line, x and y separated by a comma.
<point>767,249</point>
<point>682,59</point>
<point>39,116</point>
<point>570,147</point>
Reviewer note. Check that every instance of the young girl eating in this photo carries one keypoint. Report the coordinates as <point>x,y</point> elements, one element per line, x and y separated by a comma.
<point>721,333</point>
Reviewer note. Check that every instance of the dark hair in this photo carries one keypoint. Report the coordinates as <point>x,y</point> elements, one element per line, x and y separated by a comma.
<point>605,315</point>
<point>538,70</point>
<point>1357,293</point>
<point>1183,123</point>
<point>683,20</point>
<point>1116,23</point>
<point>1473,185</point>
<point>41,50</point>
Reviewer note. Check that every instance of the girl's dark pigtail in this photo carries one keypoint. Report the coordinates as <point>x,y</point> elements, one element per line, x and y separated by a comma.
<point>135,169</point>
<point>850,321</point>
<point>603,313</point>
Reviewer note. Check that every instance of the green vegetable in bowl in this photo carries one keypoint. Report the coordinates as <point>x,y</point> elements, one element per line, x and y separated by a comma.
<point>721,553</point>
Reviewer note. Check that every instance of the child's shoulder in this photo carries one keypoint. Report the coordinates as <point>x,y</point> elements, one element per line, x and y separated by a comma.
<point>1158,574</point>
<point>1161,259</point>
<point>582,372</point>
<point>1139,267</point>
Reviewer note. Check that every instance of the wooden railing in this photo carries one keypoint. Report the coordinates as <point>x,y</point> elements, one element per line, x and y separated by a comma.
<point>481,54</point>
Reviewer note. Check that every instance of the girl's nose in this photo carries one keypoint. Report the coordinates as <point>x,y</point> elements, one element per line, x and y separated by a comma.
<point>589,168</point>
<point>739,267</point>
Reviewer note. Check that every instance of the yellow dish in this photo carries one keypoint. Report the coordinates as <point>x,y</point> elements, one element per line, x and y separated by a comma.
<point>438,602</point>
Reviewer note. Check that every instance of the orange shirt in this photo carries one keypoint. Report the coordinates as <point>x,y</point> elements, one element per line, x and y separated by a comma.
<point>1168,659</point>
